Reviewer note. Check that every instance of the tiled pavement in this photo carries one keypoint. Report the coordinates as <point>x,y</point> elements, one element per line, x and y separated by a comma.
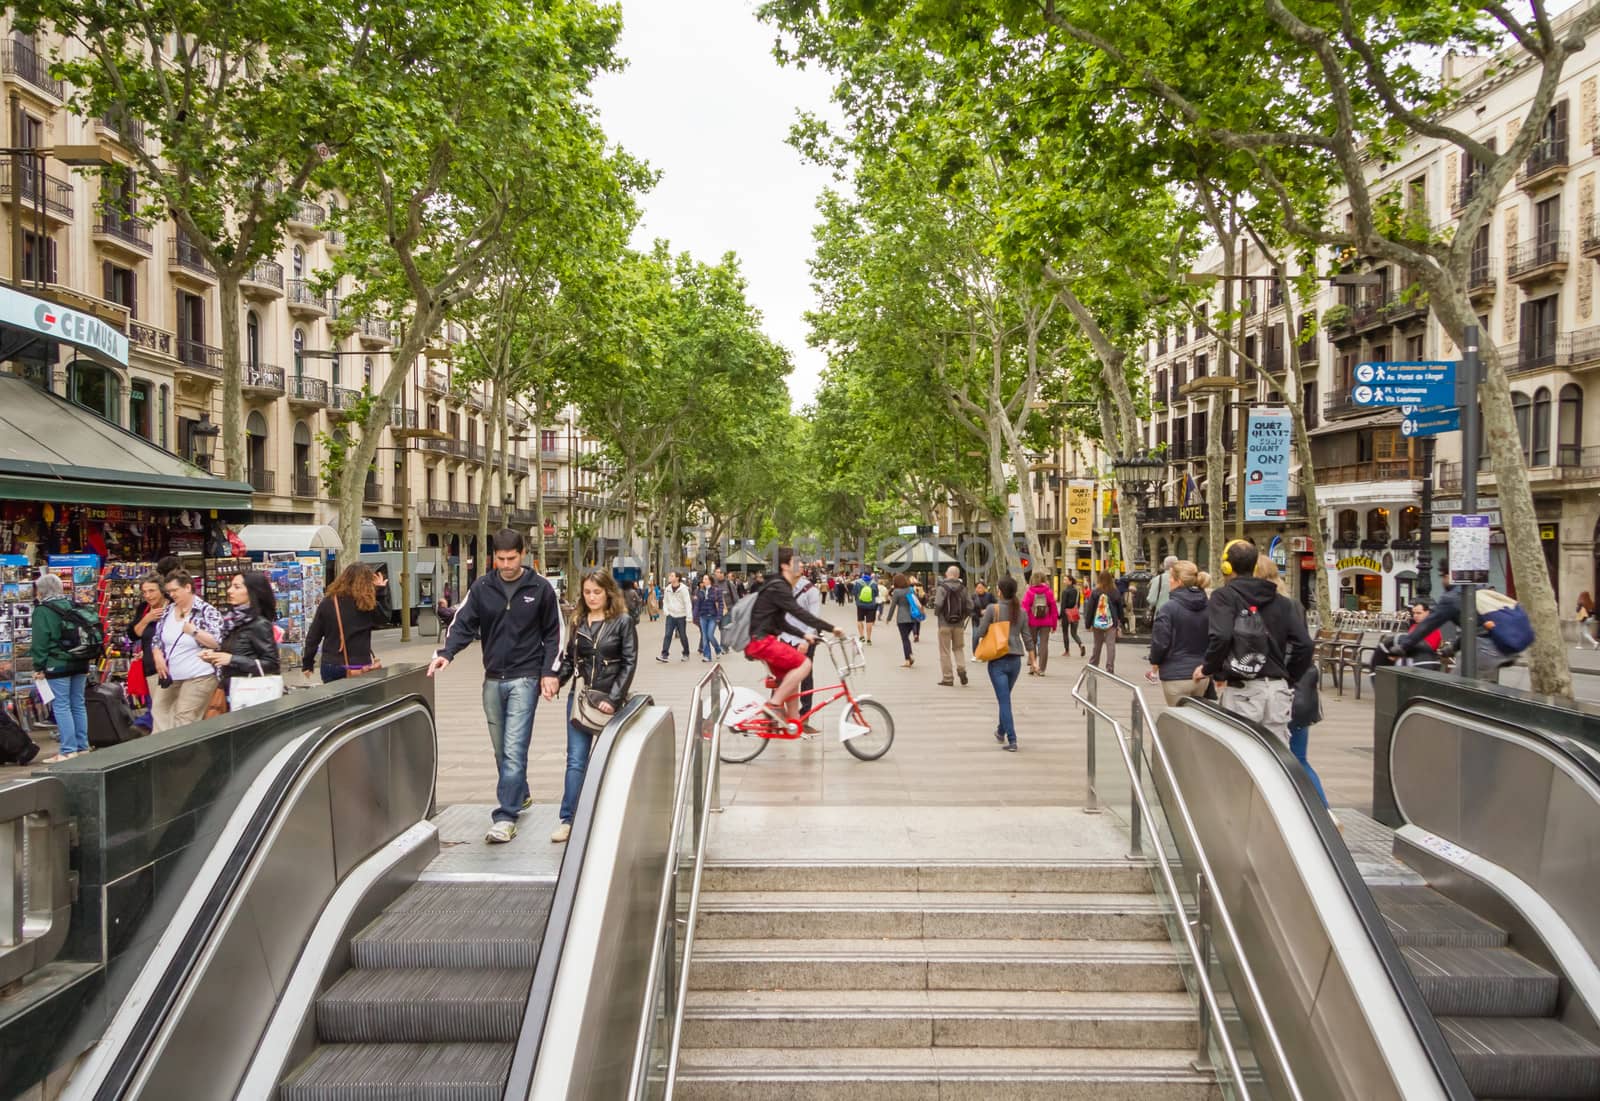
<point>943,753</point>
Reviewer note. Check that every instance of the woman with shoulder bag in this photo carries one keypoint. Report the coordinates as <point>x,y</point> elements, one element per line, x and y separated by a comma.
<point>1010,642</point>
<point>249,649</point>
<point>602,653</point>
<point>355,605</point>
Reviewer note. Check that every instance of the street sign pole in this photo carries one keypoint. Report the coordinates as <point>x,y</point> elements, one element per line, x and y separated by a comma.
<point>1471,426</point>
<point>1424,586</point>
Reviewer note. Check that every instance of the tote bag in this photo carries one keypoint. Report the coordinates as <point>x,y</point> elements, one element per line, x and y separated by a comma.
<point>249,691</point>
<point>996,641</point>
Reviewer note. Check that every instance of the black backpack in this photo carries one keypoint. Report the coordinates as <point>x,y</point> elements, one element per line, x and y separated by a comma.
<point>634,600</point>
<point>1251,646</point>
<point>82,638</point>
<point>957,605</point>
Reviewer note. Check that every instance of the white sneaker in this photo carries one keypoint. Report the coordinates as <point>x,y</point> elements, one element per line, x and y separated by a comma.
<point>500,833</point>
<point>561,832</point>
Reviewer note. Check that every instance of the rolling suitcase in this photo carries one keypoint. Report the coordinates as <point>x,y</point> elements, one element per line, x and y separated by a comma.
<point>110,717</point>
<point>16,748</point>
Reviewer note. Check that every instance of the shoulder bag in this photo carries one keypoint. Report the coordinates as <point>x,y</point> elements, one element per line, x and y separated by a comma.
<point>586,713</point>
<point>996,642</point>
<point>249,691</point>
<point>351,670</point>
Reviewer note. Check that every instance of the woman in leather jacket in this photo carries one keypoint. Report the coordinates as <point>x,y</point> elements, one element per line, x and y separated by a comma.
<point>249,647</point>
<point>603,653</point>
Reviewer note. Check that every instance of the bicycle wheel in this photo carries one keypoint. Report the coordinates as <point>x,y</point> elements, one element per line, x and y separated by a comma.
<point>740,747</point>
<point>880,735</point>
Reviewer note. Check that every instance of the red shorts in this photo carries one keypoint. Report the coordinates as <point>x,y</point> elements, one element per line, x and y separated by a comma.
<point>779,655</point>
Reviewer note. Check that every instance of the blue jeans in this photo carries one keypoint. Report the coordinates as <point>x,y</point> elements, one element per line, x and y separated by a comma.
<point>72,721</point>
<point>676,625</point>
<point>1003,674</point>
<point>1299,736</point>
<point>331,673</point>
<point>709,646</point>
<point>509,705</point>
<point>579,746</point>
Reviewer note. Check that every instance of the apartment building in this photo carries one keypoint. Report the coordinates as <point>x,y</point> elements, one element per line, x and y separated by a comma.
<point>305,362</point>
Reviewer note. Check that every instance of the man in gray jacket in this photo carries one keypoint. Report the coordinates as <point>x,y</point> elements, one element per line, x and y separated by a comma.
<point>1162,590</point>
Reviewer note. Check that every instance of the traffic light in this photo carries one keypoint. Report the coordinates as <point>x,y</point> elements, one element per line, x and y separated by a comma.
<point>1026,564</point>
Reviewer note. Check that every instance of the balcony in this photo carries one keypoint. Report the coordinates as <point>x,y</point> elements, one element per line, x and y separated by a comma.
<point>128,132</point>
<point>1517,359</point>
<point>1541,258</point>
<point>1368,315</point>
<point>1576,464</point>
<point>201,360</point>
<point>311,392</point>
<point>305,302</point>
<point>1408,305</point>
<point>119,233</point>
<point>474,401</point>
<point>555,500</point>
<point>40,190</point>
<point>305,485</point>
<point>262,481</point>
<point>436,509</point>
<point>1465,191</point>
<point>1579,350</point>
<point>375,332</point>
<point>306,219</point>
<point>1175,393</point>
<point>1341,403</point>
<point>477,452</point>
<point>23,63</point>
<point>345,400</point>
<point>264,280</point>
<point>398,497</point>
<point>401,417</point>
<point>454,448</point>
<point>187,263</point>
<point>1161,344</point>
<point>372,493</point>
<point>556,454</point>
<point>1481,277</point>
<point>1546,165</point>
<point>435,382</point>
<point>1376,470</point>
<point>259,380</point>
<point>149,339</point>
<point>1591,237</point>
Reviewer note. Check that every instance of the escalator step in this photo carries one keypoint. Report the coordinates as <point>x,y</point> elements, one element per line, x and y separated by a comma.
<point>421,1006</point>
<point>449,939</point>
<point>511,897</point>
<point>1422,916</point>
<point>1482,982</point>
<point>392,1072</point>
<point>1523,1058</point>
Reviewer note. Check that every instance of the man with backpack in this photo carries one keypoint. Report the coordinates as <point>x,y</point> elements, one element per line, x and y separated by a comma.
<point>1504,629</point>
<point>952,607</point>
<point>1257,648</point>
<point>67,640</point>
<point>866,608</point>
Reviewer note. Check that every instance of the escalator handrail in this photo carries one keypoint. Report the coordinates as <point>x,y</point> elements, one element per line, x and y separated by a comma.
<point>519,1080</point>
<point>1405,985</point>
<point>123,1068</point>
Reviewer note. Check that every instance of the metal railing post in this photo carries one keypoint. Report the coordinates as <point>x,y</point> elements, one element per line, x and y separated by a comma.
<point>1135,819</point>
<point>1202,923</point>
<point>1092,803</point>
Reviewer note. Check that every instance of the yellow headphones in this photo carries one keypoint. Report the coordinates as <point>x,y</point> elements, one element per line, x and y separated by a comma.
<point>1227,567</point>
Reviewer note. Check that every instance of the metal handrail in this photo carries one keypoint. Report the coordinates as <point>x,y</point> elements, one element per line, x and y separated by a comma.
<point>1209,904</point>
<point>35,851</point>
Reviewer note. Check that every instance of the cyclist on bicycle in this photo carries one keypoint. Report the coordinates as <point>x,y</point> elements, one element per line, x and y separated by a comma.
<point>775,604</point>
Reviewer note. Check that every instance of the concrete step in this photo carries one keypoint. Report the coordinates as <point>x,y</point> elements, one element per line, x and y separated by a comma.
<point>948,1018</point>
<point>931,914</point>
<point>1482,982</point>
<point>922,964</point>
<point>424,1006</point>
<point>950,875</point>
<point>1523,1058</point>
<point>941,1074</point>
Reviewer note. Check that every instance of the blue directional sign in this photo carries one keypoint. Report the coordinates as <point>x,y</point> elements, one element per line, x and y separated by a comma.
<point>1422,383</point>
<point>1430,422</point>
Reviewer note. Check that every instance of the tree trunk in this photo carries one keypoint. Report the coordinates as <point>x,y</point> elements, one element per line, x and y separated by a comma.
<point>233,457</point>
<point>486,497</point>
<point>1216,412</point>
<point>1549,671</point>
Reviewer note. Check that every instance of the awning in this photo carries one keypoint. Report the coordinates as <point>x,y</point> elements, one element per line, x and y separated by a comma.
<point>743,557</point>
<point>1373,419</point>
<point>53,450</point>
<point>35,317</point>
<point>924,554</point>
<point>268,538</point>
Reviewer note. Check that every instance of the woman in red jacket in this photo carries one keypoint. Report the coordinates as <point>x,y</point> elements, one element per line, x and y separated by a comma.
<point>1039,605</point>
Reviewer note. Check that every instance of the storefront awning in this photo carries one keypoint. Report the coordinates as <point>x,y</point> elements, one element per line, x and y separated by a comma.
<point>53,450</point>
<point>268,538</point>
<point>1371,419</point>
<point>27,318</point>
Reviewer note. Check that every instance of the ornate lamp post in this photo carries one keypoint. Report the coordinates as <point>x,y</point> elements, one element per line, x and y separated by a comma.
<point>203,439</point>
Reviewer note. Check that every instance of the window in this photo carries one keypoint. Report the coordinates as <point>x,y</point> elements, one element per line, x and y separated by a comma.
<point>1378,524</point>
<point>551,482</point>
<point>1415,349</point>
<point>1197,433</point>
<point>255,432</point>
<point>1161,387</point>
<point>302,458</point>
<point>1349,529</point>
<point>1200,320</point>
<point>472,494</point>
<point>366,372</point>
<point>1308,403</point>
<point>1180,373</point>
<point>1541,427</point>
<point>1417,198</point>
<point>38,258</point>
<point>191,323</point>
<point>299,343</point>
<point>96,388</point>
<point>1537,337</point>
<point>1250,353</point>
<point>186,426</point>
<point>1522,409</point>
<point>1366,450</point>
<point>1480,273</point>
<point>252,340</point>
<point>1569,426</point>
<point>1547,219</point>
<point>122,287</point>
<point>1200,366</point>
<point>1551,148</point>
<point>433,416</point>
<point>140,414</point>
<point>297,263</point>
<point>1410,523</point>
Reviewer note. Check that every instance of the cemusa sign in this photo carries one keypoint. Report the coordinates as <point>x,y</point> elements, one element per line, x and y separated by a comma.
<point>81,330</point>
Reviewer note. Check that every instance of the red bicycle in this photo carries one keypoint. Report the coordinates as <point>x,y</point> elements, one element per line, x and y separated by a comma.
<point>865,725</point>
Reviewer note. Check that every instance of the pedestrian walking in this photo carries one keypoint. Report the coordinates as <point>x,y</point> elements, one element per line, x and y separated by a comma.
<point>1039,605</point>
<point>1165,585</point>
<point>1257,647</point>
<point>64,645</point>
<point>652,604</point>
<point>602,654</point>
<point>513,614</point>
<point>355,605</point>
<point>1005,669</point>
<point>981,599</point>
<point>142,633</point>
<point>1504,630</point>
<point>707,608</point>
<point>184,681</point>
<point>1179,633</point>
<point>1105,620</point>
<point>675,606</point>
<point>1587,622</point>
<point>952,607</point>
<point>886,599</point>
<point>904,618</point>
<point>249,646</point>
<point>1071,613</point>
<point>866,594</point>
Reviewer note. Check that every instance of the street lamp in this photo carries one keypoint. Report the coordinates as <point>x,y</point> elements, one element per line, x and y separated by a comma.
<point>1137,478</point>
<point>203,441</point>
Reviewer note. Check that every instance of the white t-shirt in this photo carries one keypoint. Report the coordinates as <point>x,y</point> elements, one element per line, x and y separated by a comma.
<point>183,651</point>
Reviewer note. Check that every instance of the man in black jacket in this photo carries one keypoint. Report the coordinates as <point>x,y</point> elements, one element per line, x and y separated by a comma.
<point>1257,646</point>
<point>769,621</point>
<point>514,614</point>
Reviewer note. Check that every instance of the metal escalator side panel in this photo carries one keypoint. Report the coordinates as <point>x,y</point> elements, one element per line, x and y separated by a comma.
<point>1328,977</point>
<point>192,1020</point>
<point>586,1004</point>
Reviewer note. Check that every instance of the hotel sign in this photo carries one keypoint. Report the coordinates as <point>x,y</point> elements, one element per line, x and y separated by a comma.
<point>70,326</point>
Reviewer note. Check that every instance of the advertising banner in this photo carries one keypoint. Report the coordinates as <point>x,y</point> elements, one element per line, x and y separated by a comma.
<point>1266,483</point>
<point>1080,512</point>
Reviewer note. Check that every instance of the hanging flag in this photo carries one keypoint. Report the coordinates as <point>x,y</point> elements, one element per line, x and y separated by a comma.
<point>1189,489</point>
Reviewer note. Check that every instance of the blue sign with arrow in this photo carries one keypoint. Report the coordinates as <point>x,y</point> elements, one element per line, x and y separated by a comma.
<point>1430,422</point>
<point>1421,383</point>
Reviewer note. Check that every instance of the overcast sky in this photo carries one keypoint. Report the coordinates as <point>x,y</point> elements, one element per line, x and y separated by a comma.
<point>703,100</point>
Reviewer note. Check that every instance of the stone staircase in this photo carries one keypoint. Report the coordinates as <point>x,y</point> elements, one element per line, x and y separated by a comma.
<point>955,981</point>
